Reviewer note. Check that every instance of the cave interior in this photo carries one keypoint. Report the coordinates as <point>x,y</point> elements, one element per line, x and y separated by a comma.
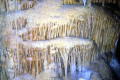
<point>60,39</point>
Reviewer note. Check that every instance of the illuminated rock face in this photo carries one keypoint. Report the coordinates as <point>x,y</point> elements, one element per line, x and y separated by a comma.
<point>54,37</point>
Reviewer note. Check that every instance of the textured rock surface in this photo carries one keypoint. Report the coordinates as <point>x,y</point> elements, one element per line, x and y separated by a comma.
<point>102,67</point>
<point>49,32</point>
<point>95,76</point>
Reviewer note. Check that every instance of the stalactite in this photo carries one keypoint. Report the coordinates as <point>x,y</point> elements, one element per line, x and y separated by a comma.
<point>103,3</point>
<point>79,61</point>
<point>86,31</point>
<point>33,64</point>
<point>39,33</point>
<point>57,32</point>
<point>81,57</point>
<point>64,55</point>
<point>40,62</point>
<point>36,57</point>
<point>81,30</point>
<point>7,6</point>
<point>73,63</point>
<point>76,55</point>
<point>54,33</point>
<point>26,57</point>
<point>70,30</point>
<point>45,63</point>
<point>63,30</point>
<point>27,4</point>
<point>16,5</point>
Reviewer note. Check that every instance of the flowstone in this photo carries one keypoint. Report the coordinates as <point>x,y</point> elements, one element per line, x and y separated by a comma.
<point>47,38</point>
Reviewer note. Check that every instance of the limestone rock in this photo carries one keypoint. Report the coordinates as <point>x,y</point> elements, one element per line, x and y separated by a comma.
<point>95,76</point>
<point>103,68</point>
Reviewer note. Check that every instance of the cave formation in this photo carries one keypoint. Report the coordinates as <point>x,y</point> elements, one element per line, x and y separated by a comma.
<point>58,39</point>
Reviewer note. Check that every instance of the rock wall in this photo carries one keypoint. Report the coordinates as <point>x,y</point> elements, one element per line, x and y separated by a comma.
<point>70,37</point>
